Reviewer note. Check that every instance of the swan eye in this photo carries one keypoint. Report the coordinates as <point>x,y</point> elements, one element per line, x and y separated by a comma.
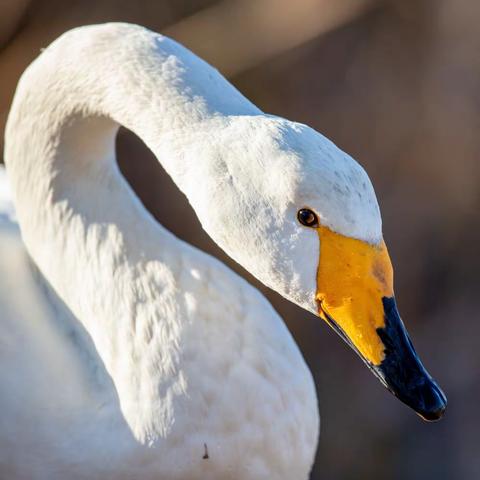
<point>307,217</point>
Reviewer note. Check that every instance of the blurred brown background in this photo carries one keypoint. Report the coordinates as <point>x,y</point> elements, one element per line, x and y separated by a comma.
<point>396,83</point>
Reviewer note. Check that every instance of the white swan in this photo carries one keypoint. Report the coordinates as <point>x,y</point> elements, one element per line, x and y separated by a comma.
<point>134,354</point>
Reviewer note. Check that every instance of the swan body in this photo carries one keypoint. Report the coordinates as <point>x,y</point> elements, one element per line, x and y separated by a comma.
<point>136,355</point>
<point>62,415</point>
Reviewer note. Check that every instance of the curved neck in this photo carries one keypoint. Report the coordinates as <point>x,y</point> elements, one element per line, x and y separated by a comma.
<point>105,256</point>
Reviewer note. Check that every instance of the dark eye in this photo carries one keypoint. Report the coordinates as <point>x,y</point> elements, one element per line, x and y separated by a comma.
<point>307,217</point>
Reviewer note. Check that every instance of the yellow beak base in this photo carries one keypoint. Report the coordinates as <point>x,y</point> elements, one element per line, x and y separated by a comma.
<point>352,278</point>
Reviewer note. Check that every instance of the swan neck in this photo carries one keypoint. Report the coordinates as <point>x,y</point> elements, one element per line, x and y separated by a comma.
<point>115,268</point>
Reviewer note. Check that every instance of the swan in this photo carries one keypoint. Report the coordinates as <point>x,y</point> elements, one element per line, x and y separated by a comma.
<point>127,353</point>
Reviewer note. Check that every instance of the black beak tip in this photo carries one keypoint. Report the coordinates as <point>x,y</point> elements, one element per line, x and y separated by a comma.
<point>434,402</point>
<point>403,372</point>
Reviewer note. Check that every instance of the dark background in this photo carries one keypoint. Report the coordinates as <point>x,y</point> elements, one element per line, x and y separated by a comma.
<point>396,84</point>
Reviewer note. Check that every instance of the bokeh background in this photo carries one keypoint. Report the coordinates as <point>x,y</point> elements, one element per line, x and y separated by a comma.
<point>396,83</point>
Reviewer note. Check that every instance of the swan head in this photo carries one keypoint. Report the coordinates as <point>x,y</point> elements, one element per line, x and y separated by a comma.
<point>302,216</point>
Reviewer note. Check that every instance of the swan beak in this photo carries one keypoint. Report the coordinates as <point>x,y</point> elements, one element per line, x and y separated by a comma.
<point>355,297</point>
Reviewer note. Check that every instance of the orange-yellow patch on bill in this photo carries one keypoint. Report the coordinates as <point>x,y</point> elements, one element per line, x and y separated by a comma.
<point>352,278</point>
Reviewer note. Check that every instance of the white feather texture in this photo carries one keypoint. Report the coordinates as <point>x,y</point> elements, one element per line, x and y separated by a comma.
<point>145,352</point>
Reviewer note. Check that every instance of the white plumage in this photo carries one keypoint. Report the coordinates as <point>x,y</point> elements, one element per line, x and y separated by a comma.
<point>129,353</point>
